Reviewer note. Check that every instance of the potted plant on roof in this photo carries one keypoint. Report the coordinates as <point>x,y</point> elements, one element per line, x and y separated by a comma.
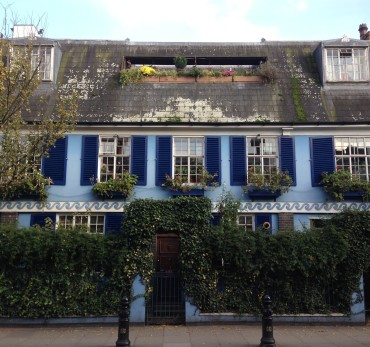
<point>342,185</point>
<point>266,185</point>
<point>179,184</point>
<point>121,186</point>
<point>180,62</point>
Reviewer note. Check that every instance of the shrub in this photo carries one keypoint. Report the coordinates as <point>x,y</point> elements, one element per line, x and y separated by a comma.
<point>268,71</point>
<point>195,72</point>
<point>129,76</point>
<point>60,274</point>
<point>180,62</point>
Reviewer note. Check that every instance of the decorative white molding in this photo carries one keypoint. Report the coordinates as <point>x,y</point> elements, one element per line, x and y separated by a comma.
<point>119,206</point>
<point>301,207</point>
<point>63,206</point>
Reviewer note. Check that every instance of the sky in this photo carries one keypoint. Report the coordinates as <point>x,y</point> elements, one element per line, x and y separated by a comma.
<point>191,20</point>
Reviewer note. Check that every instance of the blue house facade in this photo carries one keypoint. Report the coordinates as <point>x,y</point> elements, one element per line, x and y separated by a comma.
<point>312,118</point>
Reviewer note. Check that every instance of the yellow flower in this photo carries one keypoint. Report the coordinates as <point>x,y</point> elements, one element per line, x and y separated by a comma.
<point>147,71</point>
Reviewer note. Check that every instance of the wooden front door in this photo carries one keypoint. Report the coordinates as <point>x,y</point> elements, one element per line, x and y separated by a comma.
<point>168,247</point>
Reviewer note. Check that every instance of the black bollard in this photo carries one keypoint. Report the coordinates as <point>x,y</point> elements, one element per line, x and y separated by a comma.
<point>123,324</point>
<point>267,339</point>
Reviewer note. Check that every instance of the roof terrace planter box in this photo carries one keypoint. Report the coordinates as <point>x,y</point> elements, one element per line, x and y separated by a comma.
<point>211,79</point>
<point>192,192</point>
<point>249,79</point>
<point>203,79</point>
<point>262,194</point>
<point>177,79</point>
<point>151,79</point>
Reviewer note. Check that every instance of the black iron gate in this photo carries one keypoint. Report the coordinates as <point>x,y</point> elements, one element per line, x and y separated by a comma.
<point>166,304</point>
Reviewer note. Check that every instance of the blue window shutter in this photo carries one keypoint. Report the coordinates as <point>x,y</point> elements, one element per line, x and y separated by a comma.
<point>113,223</point>
<point>322,158</point>
<point>55,166</point>
<point>164,159</point>
<point>89,159</point>
<point>213,156</point>
<point>238,169</point>
<point>39,218</point>
<point>262,218</point>
<point>138,158</point>
<point>287,157</point>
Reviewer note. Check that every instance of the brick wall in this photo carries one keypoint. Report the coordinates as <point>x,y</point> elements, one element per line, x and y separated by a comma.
<point>286,221</point>
<point>8,217</point>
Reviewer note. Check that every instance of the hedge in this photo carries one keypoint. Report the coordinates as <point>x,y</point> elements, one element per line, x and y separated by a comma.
<point>59,274</point>
<point>46,273</point>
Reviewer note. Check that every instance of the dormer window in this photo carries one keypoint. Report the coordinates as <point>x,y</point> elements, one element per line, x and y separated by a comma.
<point>41,59</point>
<point>347,65</point>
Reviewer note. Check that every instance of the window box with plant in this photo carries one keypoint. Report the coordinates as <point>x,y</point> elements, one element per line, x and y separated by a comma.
<point>179,185</point>
<point>267,185</point>
<point>342,185</point>
<point>33,186</point>
<point>115,179</point>
<point>120,187</point>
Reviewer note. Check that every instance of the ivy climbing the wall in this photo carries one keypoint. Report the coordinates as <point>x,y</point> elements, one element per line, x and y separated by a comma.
<point>47,273</point>
<point>226,269</point>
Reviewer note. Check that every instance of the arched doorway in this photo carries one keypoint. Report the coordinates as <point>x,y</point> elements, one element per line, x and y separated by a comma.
<point>166,304</point>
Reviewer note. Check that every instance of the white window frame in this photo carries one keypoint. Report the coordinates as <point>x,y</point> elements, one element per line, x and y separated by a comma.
<point>313,219</point>
<point>191,172</point>
<point>259,158</point>
<point>354,156</point>
<point>42,58</point>
<point>245,225</point>
<point>347,64</point>
<point>75,221</point>
<point>115,159</point>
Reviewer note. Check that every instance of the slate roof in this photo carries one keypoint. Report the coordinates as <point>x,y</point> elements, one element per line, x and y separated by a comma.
<point>297,96</point>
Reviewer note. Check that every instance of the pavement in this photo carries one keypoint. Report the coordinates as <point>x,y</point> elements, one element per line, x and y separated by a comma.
<point>185,336</point>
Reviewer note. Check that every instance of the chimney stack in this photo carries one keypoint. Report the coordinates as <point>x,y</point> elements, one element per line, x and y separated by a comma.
<point>364,34</point>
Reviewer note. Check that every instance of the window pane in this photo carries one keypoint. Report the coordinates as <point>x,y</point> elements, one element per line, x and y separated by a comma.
<point>96,224</point>
<point>114,155</point>
<point>180,146</point>
<point>189,158</point>
<point>353,154</point>
<point>107,146</point>
<point>346,64</point>
<point>65,221</point>
<point>262,154</point>
<point>246,221</point>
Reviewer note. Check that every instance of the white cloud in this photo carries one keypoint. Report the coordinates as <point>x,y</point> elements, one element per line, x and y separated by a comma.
<point>298,5</point>
<point>194,20</point>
